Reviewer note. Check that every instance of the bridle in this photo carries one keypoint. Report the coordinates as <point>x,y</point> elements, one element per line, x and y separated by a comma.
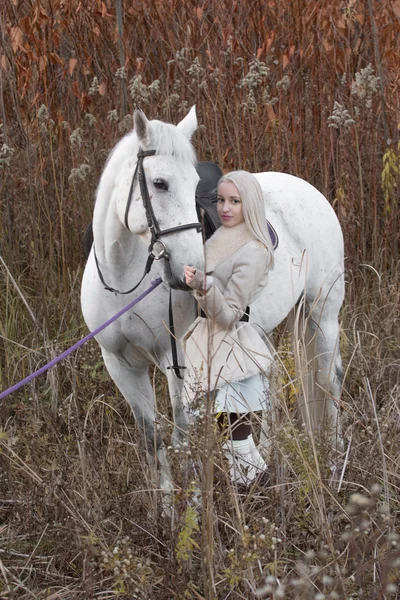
<point>157,248</point>
<point>156,232</point>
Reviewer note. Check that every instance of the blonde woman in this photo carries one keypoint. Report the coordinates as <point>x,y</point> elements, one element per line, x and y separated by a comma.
<point>224,353</point>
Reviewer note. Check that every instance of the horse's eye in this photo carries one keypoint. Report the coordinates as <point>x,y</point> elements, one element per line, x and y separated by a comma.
<point>160,184</point>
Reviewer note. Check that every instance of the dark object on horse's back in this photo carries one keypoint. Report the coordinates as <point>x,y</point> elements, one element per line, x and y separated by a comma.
<point>206,192</point>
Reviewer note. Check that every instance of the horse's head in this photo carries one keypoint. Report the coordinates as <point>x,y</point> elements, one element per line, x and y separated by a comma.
<point>163,202</point>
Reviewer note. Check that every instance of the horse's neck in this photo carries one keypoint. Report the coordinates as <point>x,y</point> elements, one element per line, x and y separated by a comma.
<point>115,246</point>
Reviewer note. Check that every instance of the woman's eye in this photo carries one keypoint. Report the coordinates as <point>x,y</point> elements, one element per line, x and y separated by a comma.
<point>161,184</point>
<point>235,201</point>
<point>220,200</point>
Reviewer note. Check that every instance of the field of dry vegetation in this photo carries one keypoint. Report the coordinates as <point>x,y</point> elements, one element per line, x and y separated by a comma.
<point>307,87</point>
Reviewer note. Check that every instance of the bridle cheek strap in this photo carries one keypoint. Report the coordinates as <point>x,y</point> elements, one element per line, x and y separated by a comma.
<point>156,232</point>
<point>139,169</point>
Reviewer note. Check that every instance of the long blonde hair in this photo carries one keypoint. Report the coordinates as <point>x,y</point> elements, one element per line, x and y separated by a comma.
<point>251,195</point>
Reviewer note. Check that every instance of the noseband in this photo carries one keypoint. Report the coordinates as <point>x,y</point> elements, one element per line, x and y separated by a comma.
<point>156,232</point>
<point>157,248</point>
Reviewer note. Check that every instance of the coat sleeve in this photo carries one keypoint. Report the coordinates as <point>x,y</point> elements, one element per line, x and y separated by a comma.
<point>227,308</point>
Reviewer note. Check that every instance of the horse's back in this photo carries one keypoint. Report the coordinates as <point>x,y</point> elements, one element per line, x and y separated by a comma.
<point>303,217</point>
<point>309,257</point>
<point>294,199</point>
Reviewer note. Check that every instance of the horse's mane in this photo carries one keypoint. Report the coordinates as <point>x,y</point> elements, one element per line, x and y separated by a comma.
<point>166,139</point>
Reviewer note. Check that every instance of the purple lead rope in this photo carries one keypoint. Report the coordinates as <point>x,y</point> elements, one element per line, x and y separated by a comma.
<point>88,337</point>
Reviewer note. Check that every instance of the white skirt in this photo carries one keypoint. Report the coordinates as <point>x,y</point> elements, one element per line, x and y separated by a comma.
<point>248,395</point>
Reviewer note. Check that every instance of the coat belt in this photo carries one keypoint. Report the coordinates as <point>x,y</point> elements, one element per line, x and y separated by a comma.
<point>245,316</point>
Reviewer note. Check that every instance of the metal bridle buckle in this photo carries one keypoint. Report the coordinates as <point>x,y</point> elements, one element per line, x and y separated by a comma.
<point>158,250</point>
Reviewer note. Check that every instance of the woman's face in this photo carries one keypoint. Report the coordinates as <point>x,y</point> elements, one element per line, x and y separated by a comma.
<point>229,206</point>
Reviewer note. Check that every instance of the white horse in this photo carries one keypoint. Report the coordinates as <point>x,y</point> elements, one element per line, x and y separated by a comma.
<point>308,267</point>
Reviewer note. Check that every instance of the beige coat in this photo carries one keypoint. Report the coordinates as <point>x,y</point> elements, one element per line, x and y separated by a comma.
<point>222,348</point>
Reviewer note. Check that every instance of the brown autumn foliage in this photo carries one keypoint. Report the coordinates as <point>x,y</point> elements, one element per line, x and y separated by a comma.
<point>51,51</point>
<point>265,76</point>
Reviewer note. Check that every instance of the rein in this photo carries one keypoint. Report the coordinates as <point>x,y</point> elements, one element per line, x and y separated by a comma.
<point>80,343</point>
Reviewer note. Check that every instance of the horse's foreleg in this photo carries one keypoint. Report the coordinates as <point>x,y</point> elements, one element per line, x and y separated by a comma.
<point>175,387</point>
<point>135,385</point>
<point>180,438</point>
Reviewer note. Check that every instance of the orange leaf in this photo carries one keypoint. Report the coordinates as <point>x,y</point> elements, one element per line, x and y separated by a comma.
<point>54,58</point>
<point>357,46</point>
<point>287,56</point>
<point>16,36</point>
<point>25,24</point>
<point>43,60</point>
<point>259,53</point>
<point>269,41</point>
<point>199,12</point>
<point>85,101</point>
<point>3,62</point>
<point>103,10</point>
<point>75,89</point>
<point>271,113</point>
<point>396,8</point>
<point>72,64</point>
<point>360,17</point>
<point>340,23</point>
<point>102,88</point>
<point>285,60</point>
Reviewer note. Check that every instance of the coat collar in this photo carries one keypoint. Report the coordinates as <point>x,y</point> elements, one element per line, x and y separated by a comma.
<point>224,243</point>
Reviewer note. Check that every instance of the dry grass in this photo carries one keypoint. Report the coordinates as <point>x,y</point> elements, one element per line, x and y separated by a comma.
<point>79,506</point>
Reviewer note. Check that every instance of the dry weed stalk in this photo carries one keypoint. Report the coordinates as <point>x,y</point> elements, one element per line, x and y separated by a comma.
<point>278,86</point>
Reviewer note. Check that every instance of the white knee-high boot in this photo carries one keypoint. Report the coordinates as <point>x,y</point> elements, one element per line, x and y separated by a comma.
<point>245,461</point>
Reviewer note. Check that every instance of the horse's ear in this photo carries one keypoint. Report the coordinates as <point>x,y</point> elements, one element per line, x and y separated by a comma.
<point>188,125</point>
<point>141,126</point>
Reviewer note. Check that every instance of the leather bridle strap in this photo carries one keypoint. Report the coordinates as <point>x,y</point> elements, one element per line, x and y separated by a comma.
<point>156,232</point>
<point>175,365</point>
<point>149,262</point>
<point>139,166</point>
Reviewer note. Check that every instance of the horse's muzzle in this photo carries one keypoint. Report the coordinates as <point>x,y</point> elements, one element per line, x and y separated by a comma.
<point>174,282</point>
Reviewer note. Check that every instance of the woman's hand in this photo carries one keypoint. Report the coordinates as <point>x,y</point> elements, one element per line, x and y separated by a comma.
<point>196,279</point>
<point>189,273</point>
